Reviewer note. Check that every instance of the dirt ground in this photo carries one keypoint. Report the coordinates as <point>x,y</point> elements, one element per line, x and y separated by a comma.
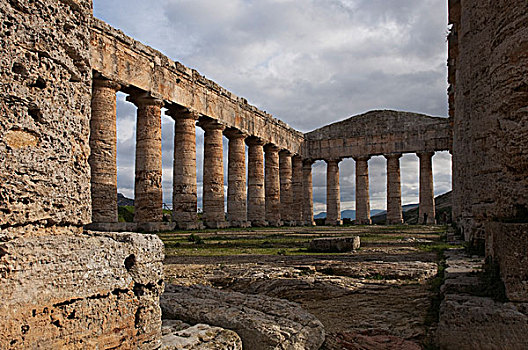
<point>377,297</point>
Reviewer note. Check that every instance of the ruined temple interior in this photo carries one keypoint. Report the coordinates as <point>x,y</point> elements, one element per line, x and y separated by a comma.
<point>72,276</point>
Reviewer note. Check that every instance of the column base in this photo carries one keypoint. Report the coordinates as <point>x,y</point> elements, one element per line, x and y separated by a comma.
<point>259,223</point>
<point>240,224</point>
<point>394,221</point>
<point>189,225</point>
<point>333,222</point>
<point>363,222</point>
<point>309,223</point>
<point>275,223</point>
<point>289,223</point>
<point>216,224</point>
<point>155,226</point>
<point>108,226</point>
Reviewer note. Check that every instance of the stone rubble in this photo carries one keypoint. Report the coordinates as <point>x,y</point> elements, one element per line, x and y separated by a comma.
<point>178,335</point>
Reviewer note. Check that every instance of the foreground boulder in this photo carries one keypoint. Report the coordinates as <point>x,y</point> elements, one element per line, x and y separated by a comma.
<point>178,335</point>
<point>335,244</point>
<point>261,322</point>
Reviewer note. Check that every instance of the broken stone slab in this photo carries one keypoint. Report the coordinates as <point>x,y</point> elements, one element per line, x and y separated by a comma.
<point>335,244</point>
<point>178,335</point>
<point>262,322</point>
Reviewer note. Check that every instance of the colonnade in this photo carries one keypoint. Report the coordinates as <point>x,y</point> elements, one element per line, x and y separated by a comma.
<point>394,203</point>
<point>279,184</point>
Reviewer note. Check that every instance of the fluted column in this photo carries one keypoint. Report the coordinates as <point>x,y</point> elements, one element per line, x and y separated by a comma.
<point>213,175</point>
<point>426,210</point>
<point>236,179</point>
<point>307,193</point>
<point>286,199</point>
<point>256,199</point>
<point>394,207</point>
<point>184,193</point>
<point>333,200</point>
<point>272,179</point>
<point>297,190</point>
<point>103,146</point>
<point>148,195</point>
<point>362,191</point>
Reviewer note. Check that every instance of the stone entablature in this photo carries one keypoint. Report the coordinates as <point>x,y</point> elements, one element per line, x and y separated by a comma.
<point>133,65</point>
<point>378,133</point>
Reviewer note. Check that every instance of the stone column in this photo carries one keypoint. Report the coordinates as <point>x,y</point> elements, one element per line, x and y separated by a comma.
<point>362,191</point>
<point>333,200</point>
<point>273,206</point>
<point>236,179</point>
<point>103,146</point>
<point>307,193</point>
<point>286,199</point>
<point>148,195</point>
<point>297,190</point>
<point>394,207</point>
<point>213,175</point>
<point>184,193</point>
<point>256,199</point>
<point>427,202</point>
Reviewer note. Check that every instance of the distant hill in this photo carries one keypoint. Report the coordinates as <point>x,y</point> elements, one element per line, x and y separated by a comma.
<point>123,201</point>
<point>410,211</point>
<point>348,214</point>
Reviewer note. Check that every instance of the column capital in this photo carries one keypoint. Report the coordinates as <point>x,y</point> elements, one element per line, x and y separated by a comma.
<point>254,141</point>
<point>232,133</point>
<point>428,154</point>
<point>180,112</point>
<point>210,124</point>
<point>308,162</point>
<point>393,155</point>
<point>145,99</point>
<point>285,152</point>
<point>361,158</point>
<point>333,160</point>
<point>271,148</point>
<point>105,83</point>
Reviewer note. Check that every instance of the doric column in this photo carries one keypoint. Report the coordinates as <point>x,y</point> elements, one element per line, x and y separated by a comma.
<point>362,191</point>
<point>103,146</point>
<point>394,207</point>
<point>297,190</point>
<point>148,195</point>
<point>307,193</point>
<point>184,193</point>
<point>213,175</point>
<point>273,207</point>
<point>427,202</point>
<point>286,199</point>
<point>236,179</point>
<point>256,200</point>
<point>333,200</point>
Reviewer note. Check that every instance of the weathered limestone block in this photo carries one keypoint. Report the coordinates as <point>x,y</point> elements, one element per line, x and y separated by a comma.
<point>103,155</point>
<point>88,290</point>
<point>307,193</point>
<point>333,196</point>
<point>272,178</point>
<point>362,191</point>
<point>394,207</point>
<point>178,335</point>
<point>286,191</point>
<point>426,211</point>
<point>44,112</point>
<point>335,244</point>
<point>256,199</point>
<point>184,194</point>
<point>148,194</point>
<point>236,180</point>
<point>261,322</point>
<point>213,175</point>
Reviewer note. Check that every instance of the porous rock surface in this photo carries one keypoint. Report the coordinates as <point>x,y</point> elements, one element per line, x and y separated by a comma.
<point>178,335</point>
<point>335,244</point>
<point>261,322</point>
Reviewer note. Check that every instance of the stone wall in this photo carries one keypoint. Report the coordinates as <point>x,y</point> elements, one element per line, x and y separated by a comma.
<point>489,97</point>
<point>136,66</point>
<point>377,133</point>
<point>60,287</point>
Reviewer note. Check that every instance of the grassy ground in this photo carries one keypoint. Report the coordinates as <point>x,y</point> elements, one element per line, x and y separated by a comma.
<point>292,241</point>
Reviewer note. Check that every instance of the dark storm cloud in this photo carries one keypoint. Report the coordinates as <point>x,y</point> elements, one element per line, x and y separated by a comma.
<point>307,62</point>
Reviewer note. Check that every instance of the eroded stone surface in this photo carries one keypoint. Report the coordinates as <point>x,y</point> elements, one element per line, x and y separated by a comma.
<point>178,335</point>
<point>335,244</point>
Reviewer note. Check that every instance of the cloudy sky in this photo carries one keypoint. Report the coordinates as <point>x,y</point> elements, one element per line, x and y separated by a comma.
<point>308,62</point>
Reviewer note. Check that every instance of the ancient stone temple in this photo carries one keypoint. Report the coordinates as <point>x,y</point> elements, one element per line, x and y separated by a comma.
<point>70,280</point>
